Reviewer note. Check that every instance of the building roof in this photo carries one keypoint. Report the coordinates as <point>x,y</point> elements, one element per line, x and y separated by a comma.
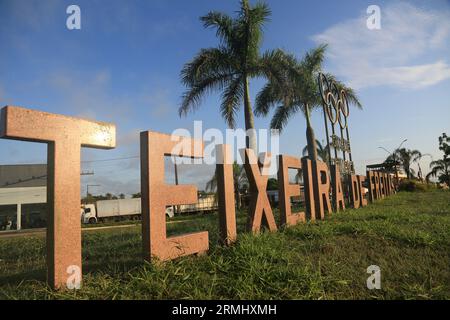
<point>23,175</point>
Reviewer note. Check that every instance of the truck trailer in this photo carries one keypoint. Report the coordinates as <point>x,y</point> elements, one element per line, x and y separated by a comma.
<point>120,209</point>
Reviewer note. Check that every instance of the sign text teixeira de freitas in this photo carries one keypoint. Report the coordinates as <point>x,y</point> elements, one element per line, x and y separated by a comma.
<point>66,135</point>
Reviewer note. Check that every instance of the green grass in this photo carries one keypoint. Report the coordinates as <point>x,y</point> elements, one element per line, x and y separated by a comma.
<point>407,235</point>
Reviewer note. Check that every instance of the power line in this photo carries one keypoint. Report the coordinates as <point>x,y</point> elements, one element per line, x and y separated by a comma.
<point>7,184</point>
<point>112,159</point>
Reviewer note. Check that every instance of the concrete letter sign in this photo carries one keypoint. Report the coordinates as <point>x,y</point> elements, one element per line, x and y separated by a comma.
<point>321,188</point>
<point>338,194</point>
<point>64,137</point>
<point>156,195</point>
<point>308,183</point>
<point>362,191</point>
<point>355,192</point>
<point>287,190</point>
<point>391,184</point>
<point>225,191</point>
<point>376,175</point>
<point>371,181</point>
<point>381,185</point>
<point>259,203</point>
<point>387,184</point>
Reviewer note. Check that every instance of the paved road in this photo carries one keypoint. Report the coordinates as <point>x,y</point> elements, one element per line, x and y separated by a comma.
<point>41,231</point>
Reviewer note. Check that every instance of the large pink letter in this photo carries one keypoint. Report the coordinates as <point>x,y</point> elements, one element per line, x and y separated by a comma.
<point>287,190</point>
<point>225,192</point>
<point>259,203</point>
<point>64,137</point>
<point>321,188</point>
<point>156,195</point>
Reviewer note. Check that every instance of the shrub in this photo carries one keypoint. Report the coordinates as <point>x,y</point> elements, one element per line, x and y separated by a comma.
<point>414,186</point>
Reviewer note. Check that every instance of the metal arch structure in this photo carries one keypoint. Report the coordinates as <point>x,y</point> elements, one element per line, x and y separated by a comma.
<point>336,112</point>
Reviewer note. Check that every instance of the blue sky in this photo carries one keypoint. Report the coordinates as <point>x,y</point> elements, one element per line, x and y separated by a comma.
<point>123,66</point>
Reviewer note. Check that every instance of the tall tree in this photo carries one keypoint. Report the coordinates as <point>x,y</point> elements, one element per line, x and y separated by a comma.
<point>406,158</point>
<point>230,66</point>
<point>298,91</point>
<point>322,151</point>
<point>239,179</point>
<point>441,168</point>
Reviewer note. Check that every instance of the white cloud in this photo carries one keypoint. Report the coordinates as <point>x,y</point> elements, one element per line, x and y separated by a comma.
<point>395,54</point>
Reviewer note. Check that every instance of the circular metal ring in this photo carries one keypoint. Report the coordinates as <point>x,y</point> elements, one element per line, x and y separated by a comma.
<point>342,115</point>
<point>345,108</point>
<point>331,108</point>
<point>324,86</point>
<point>334,100</point>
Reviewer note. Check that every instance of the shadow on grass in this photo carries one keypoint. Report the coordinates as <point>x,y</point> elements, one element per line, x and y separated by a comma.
<point>16,278</point>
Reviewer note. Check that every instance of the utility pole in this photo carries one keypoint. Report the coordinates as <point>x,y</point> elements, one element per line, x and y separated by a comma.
<point>175,208</point>
<point>87,190</point>
<point>176,173</point>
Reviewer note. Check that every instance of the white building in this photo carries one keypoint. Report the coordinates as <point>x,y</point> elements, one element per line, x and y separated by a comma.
<point>21,185</point>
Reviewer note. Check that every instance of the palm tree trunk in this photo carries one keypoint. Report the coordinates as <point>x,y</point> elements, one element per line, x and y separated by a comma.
<point>310,137</point>
<point>249,120</point>
<point>237,196</point>
<point>447,173</point>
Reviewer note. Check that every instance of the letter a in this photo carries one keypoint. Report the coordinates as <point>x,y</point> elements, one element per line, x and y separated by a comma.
<point>338,194</point>
<point>74,20</point>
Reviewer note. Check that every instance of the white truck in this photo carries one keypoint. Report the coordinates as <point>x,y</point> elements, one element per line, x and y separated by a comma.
<point>119,209</point>
<point>205,204</point>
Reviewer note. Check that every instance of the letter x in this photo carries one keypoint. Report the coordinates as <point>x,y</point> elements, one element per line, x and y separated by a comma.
<point>259,202</point>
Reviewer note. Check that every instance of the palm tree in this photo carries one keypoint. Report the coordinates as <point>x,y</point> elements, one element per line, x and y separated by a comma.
<point>322,152</point>
<point>230,66</point>
<point>441,169</point>
<point>407,158</point>
<point>239,179</point>
<point>298,91</point>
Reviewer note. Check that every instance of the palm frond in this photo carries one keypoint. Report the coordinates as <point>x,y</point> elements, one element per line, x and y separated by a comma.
<point>267,98</point>
<point>314,58</point>
<point>223,25</point>
<point>207,62</point>
<point>191,98</point>
<point>282,115</point>
<point>231,99</point>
